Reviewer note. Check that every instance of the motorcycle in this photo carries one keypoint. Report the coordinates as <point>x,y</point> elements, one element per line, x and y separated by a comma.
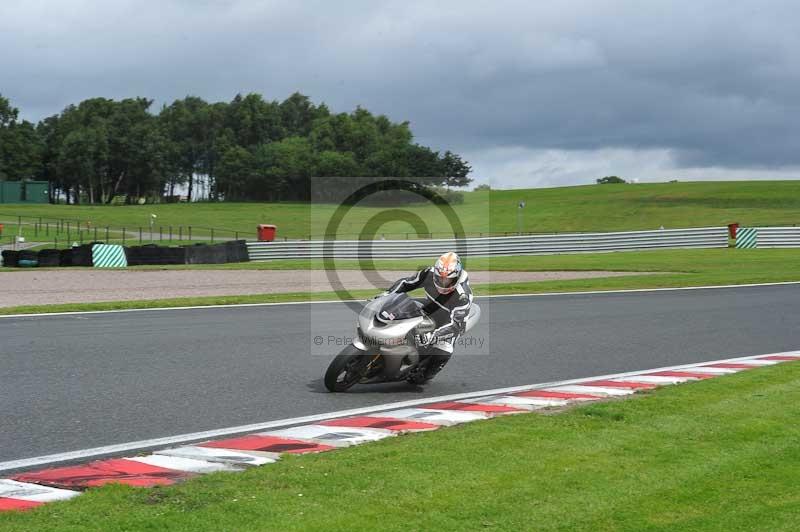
<point>390,346</point>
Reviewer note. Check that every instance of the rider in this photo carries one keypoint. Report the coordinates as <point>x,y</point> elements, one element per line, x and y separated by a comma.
<point>449,296</point>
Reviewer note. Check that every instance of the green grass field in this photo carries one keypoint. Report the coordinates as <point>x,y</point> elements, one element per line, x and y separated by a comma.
<point>718,455</point>
<point>580,208</point>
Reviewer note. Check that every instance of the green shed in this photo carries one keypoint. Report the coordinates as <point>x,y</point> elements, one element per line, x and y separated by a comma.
<point>36,192</point>
<point>24,192</point>
<point>10,192</point>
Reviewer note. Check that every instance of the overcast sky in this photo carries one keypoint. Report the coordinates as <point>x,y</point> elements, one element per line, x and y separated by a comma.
<point>531,93</point>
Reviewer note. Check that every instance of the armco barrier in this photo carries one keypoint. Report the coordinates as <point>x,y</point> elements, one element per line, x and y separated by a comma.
<point>778,237</point>
<point>706,237</point>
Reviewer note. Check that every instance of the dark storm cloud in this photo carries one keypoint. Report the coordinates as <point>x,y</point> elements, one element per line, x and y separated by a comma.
<point>715,83</point>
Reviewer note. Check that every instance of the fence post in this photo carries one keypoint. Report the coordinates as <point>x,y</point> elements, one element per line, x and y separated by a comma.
<point>123,235</point>
<point>47,229</point>
<point>160,233</point>
<point>107,239</point>
<point>190,233</point>
<point>170,233</point>
<point>236,235</point>
<point>180,232</point>
<point>212,235</point>
<point>80,236</point>
<point>95,234</point>
<point>140,235</point>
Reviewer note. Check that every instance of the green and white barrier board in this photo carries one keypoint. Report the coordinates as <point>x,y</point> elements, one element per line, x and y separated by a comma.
<point>747,237</point>
<point>109,256</point>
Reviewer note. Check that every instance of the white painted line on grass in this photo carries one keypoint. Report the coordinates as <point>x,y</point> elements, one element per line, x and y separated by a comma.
<point>383,408</point>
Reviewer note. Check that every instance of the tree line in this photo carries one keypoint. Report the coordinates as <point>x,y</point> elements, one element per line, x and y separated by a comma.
<point>247,149</point>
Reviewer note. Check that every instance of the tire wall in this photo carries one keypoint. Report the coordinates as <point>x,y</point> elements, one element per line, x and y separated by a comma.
<point>148,254</point>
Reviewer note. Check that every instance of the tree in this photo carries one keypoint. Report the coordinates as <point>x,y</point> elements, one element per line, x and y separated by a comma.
<point>610,179</point>
<point>456,170</point>
<point>298,114</point>
<point>8,114</point>
<point>337,164</point>
<point>245,149</point>
<point>137,150</point>
<point>20,151</point>
<point>20,146</point>
<point>187,126</point>
<point>288,165</point>
<point>83,156</point>
<point>235,170</point>
<point>254,121</point>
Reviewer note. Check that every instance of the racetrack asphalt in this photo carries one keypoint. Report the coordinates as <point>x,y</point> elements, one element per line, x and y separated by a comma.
<point>71,382</point>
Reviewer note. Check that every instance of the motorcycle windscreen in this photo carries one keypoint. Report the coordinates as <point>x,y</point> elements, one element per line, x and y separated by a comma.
<point>399,307</point>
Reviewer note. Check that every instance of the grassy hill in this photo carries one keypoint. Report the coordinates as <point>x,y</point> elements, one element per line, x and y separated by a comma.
<point>580,208</point>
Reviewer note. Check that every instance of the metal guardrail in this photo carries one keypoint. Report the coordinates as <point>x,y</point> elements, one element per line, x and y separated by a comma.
<point>778,237</point>
<point>706,237</point>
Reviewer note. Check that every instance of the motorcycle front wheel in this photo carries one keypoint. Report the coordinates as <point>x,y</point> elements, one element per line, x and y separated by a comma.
<point>349,367</point>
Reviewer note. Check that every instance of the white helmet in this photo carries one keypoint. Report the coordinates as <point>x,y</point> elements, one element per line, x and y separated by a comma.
<point>446,272</point>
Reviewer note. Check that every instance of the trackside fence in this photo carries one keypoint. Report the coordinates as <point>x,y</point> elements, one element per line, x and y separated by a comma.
<point>775,237</point>
<point>706,237</point>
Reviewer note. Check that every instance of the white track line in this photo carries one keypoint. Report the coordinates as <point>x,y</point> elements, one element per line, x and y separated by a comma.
<point>260,427</point>
<point>328,301</point>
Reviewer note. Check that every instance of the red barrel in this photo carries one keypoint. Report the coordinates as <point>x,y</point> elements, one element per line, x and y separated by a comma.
<point>732,230</point>
<point>266,233</point>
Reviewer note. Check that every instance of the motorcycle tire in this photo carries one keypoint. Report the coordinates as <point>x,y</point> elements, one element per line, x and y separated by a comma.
<point>346,369</point>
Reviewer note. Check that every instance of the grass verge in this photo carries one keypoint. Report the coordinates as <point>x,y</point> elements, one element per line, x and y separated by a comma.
<point>717,455</point>
<point>686,268</point>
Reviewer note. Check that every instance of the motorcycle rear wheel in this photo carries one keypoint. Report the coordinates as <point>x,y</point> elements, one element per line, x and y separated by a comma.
<point>346,369</point>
